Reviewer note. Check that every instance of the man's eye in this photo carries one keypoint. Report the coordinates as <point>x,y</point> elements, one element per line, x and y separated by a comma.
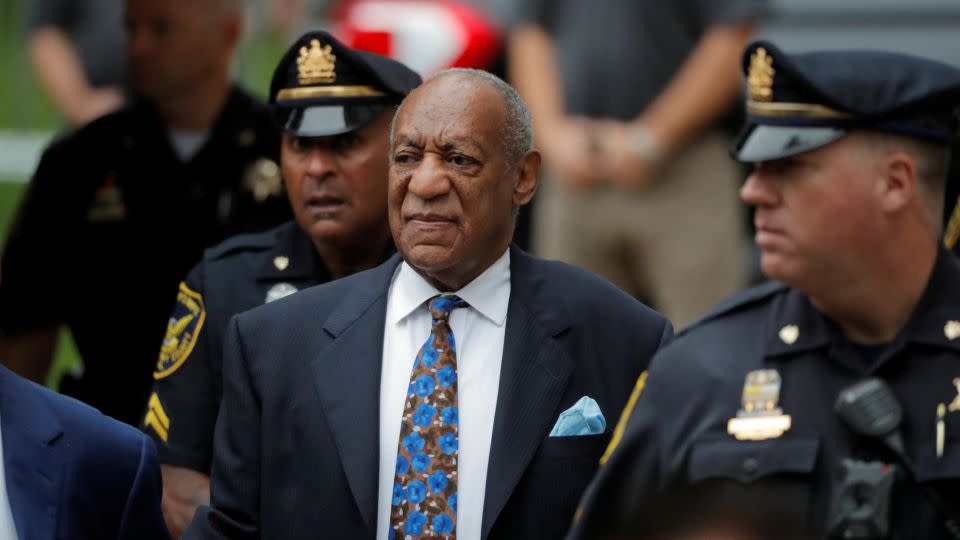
<point>344,141</point>
<point>461,160</point>
<point>300,144</point>
<point>403,158</point>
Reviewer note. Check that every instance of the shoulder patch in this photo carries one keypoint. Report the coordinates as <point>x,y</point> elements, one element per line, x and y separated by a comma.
<point>738,301</point>
<point>183,329</point>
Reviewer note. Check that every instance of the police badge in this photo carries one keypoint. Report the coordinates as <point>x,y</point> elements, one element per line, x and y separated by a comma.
<point>183,328</point>
<point>262,179</point>
<point>760,418</point>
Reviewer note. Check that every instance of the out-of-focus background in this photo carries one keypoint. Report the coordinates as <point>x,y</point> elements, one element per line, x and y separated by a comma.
<point>417,33</point>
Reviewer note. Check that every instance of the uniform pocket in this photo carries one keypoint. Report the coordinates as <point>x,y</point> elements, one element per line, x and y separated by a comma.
<point>765,486</point>
<point>748,461</point>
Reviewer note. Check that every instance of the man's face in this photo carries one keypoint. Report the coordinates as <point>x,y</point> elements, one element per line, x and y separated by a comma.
<point>814,212</point>
<point>452,192</point>
<point>173,45</point>
<point>338,184</point>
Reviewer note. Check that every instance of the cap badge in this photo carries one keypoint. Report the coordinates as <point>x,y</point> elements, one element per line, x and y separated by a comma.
<point>789,334</point>
<point>760,76</point>
<point>952,330</point>
<point>281,262</point>
<point>955,404</point>
<point>316,64</point>
<point>760,418</point>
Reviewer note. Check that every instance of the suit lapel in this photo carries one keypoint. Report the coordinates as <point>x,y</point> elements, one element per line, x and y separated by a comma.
<point>31,457</point>
<point>347,373</point>
<point>533,377</point>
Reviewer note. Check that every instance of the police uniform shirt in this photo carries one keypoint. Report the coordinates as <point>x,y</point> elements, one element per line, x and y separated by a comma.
<point>240,274</point>
<point>113,220</point>
<point>677,433</point>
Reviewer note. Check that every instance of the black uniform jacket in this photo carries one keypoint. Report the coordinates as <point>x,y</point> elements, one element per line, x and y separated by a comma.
<point>677,434</point>
<point>113,220</point>
<point>244,272</point>
<point>296,444</point>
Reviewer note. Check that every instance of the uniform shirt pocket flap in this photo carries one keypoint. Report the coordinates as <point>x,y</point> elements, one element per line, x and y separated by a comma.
<point>747,461</point>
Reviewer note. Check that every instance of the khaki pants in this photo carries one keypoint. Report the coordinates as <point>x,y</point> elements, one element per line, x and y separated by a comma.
<point>679,244</point>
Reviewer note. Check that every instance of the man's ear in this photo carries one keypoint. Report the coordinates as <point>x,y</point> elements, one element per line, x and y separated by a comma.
<point>898,175</point>
<point>529,174</point>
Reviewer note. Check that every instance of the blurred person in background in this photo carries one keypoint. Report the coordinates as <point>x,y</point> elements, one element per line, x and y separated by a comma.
<point>76,48</point>
<point>334,162</point>
<point>626,97</point>
<point>118,212</point>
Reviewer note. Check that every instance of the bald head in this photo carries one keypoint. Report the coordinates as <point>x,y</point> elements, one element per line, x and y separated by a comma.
<point>180,50</point>
<point>517,126</point>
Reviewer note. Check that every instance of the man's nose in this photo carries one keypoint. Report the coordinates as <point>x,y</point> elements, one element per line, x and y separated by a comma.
<point>430,179</point>
<point>320,161</point>
<point>758,190</point>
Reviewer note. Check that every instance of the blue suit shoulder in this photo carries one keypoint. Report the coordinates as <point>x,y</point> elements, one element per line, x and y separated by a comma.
<point>107,482</point>
<point>595,302</point>
<point>582,288</point>
<point>92,433</point>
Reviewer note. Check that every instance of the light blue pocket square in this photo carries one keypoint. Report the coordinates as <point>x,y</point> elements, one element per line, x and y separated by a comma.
<point>584,418</point>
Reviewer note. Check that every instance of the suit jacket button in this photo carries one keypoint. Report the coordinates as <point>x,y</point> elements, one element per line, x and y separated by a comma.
<point>750,466</point>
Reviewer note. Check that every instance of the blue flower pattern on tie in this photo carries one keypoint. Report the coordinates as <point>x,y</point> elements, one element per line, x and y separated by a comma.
<point>424,502</point>
<point>420,462</point>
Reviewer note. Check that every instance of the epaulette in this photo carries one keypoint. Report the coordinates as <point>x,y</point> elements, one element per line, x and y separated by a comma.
<point>242,242</point>
<point>738,301</point>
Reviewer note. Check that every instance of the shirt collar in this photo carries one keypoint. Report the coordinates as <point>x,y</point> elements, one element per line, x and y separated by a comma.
<point>798,326</point>
<point>488,293</point>
<point>936,318</point>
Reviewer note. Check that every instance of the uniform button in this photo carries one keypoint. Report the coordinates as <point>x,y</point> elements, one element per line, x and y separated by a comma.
<point>750,465</point>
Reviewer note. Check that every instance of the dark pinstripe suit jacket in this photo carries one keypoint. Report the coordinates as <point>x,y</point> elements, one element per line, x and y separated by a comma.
<point>296,446</point>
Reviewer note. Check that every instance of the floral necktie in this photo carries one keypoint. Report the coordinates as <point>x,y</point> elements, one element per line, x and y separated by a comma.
<point>424,502</point>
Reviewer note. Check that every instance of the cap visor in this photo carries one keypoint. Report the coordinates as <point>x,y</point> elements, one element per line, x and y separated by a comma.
<point>765,143</point>
<point>324,120</point>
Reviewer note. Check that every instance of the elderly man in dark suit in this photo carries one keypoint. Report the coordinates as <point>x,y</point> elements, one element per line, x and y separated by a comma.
<point>68,471</point>
<point>459,390</point>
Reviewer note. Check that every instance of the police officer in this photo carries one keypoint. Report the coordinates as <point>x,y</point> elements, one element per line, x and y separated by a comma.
<point>119,211</point>
<point>335,105</point>
<point>827,404</point>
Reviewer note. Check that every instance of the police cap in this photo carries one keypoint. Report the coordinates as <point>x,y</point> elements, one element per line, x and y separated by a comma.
<point>321,87</point>
<point>799,102</point>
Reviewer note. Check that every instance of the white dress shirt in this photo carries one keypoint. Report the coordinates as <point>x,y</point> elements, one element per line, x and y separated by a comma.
<point>479,330</point>
<point>8,529</point>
